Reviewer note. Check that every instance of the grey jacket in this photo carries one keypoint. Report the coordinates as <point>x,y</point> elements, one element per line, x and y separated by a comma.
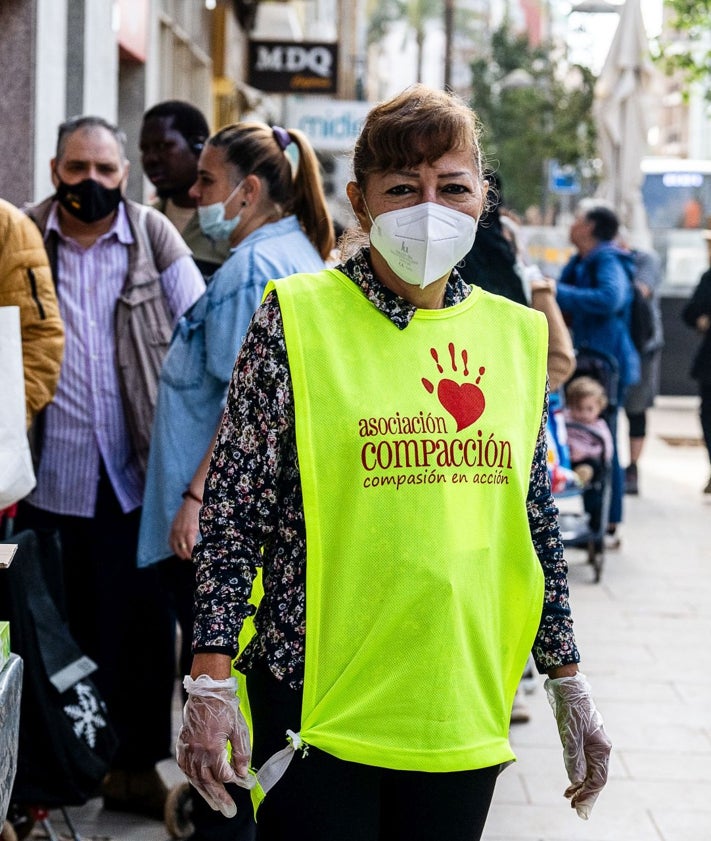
<point>143,323</point>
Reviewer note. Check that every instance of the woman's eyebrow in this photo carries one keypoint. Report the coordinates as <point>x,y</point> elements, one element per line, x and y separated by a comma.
<point>413,174</point>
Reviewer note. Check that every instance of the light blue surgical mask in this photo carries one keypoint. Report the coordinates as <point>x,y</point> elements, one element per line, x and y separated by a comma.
<point>212,218</point>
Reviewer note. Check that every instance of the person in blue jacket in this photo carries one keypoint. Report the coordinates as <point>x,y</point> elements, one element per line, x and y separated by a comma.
<point>275,219</point>
<point>595,295</point>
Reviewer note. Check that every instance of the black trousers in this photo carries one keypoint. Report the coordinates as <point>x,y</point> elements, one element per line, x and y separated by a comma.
<point>176,579</point>
<point>321,798</point>
<point>118,618</point>
<point>705,414</point>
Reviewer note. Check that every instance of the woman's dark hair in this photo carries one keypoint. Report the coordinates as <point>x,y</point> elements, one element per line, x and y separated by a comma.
<point>420,124</point>
<point>257,149</point>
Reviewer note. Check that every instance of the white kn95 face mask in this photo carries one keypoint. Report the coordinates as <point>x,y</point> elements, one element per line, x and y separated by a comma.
<point>422,243</point>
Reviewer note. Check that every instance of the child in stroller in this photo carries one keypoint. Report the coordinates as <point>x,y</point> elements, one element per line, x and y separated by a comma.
<point>589,437</point>
<point>598,377</point>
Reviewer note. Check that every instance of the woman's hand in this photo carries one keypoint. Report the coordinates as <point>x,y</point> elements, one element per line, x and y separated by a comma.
<point>703,322</point>
<point>184,531</point>
<point>586,746</point>
<point>211,719</point>
<point>543,284</point>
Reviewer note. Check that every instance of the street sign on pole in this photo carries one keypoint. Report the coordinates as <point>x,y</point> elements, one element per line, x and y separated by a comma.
<point>562,180</point>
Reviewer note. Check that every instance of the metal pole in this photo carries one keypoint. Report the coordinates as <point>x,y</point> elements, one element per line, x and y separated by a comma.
<point>448,37</point>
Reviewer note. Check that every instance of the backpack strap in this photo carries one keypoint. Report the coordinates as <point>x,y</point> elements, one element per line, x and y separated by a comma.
<point>159,238</point>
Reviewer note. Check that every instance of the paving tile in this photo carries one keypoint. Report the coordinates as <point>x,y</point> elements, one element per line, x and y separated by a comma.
<point>646,765</point>
<point>509,822</point>
<point>683,824</point>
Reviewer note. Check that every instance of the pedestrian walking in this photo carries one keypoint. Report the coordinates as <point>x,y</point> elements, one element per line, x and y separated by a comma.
<point>697,314</point>
<point>595,292</point>
<point>640,396</point>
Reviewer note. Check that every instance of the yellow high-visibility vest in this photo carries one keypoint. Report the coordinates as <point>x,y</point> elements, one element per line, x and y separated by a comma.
<point>423,590</point>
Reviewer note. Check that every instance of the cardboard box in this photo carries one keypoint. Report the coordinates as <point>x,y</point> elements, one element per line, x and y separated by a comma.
<point>7,553</point>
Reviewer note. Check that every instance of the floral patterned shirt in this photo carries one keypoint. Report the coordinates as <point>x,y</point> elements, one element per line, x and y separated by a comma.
<point>253,513</point>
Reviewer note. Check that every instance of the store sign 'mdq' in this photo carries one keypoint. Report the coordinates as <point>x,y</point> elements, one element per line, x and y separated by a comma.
<point>293,67</point>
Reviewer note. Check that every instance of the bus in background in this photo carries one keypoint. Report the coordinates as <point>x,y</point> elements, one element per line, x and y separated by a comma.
<point>677,198</point>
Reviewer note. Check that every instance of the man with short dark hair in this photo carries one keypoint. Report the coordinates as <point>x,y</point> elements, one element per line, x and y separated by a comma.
<point>172,136</point>
<point>123,277</point>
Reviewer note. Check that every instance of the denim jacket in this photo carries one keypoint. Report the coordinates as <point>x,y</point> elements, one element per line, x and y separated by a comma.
<point>198,367</point>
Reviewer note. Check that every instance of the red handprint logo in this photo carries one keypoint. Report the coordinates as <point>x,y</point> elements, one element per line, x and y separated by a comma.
<point>465,402</point>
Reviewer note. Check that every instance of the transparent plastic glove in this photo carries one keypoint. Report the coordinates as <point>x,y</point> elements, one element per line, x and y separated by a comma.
<point>531,273</point>
<point>211,718</point>
<point>586,747</point>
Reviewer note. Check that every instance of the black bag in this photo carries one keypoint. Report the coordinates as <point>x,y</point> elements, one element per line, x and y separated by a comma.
<point>66,741</point>
<point>641,319</point>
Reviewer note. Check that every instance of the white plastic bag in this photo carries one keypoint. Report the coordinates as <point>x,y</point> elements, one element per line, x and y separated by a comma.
<point>17,477</point>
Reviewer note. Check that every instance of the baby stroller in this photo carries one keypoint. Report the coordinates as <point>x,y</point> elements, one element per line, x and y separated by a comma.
<point>66,741</point>
<point>586,528</point>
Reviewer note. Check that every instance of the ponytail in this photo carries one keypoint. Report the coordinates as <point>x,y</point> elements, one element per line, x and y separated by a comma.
<point>309,201</point>
<point>262,150</point>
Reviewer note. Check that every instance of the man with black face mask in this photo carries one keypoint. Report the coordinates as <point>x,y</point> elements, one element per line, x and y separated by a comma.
<point>173,134</point>
<point>123,277</point>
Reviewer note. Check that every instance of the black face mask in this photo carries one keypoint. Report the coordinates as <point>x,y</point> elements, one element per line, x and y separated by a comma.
<point>88,200</point>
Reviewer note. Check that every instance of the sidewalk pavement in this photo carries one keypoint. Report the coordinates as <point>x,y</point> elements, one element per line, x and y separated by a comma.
<point>641,633</point>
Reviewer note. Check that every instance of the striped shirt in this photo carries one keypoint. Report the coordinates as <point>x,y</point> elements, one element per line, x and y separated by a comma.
<point>85,424</point>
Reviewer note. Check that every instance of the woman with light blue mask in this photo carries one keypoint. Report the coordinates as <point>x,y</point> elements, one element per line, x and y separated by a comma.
<point>273,214</point>
<point>275,218</point>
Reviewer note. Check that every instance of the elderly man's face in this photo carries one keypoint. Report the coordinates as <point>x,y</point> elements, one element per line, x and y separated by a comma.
<point>91,152</point>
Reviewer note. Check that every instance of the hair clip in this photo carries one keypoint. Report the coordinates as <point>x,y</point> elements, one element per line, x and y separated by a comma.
<point>281,135</point>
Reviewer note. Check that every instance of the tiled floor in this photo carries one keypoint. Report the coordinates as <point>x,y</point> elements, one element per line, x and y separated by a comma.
<point>644,633</point>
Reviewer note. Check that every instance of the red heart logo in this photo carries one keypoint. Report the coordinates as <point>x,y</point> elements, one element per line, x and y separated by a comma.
<point>465,402</point>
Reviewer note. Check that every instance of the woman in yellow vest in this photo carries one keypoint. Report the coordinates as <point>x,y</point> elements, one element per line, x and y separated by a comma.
<point>383,458</point>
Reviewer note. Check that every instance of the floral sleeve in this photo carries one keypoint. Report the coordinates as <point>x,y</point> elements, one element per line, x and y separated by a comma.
<point>239,515</point>
<point>555,640</point>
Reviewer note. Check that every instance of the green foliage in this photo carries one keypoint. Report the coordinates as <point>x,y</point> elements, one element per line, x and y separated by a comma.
<point>688,55</point>
<point>535,115</point>
<point>381,15</point>
<point>415,13</point>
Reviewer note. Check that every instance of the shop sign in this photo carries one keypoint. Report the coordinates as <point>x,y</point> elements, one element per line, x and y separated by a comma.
<point>293,67</point>
<point>330,125</point>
